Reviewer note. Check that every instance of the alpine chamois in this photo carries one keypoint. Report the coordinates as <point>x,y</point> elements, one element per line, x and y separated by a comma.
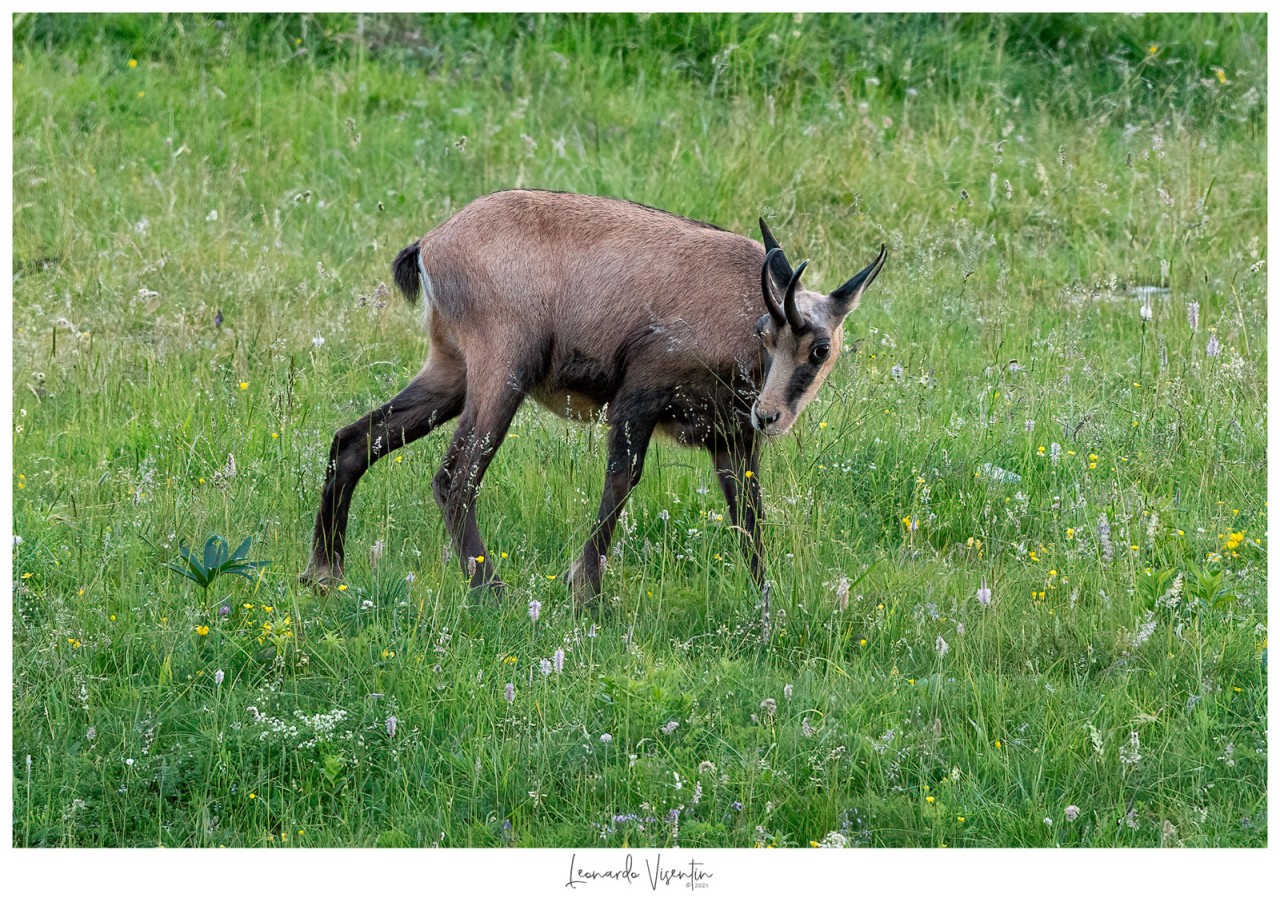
<point>594,305</point>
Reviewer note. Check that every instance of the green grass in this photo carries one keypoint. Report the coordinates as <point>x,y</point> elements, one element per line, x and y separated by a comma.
<point>1031,175</point>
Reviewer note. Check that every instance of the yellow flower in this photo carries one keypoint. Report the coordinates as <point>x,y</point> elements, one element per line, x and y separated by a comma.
<point>750,474</point>
<point>929,799</point>
<point>1093,465</point>
<point>1222,76</point>
<point>822,424</point>
<point>959,820</point>
<point>253,795</point>
<point>274,435</point>
<point>203,630</point>
<point>342,587</point>
<point>813,844</point>
<point>133,63</point>
<point>479,559</point>
<point>862,643</point>
<point>504,554</point>
<point>244,384</point>
<point>997,743</point>
<point>1153,50</point>
<point>1071,533</point>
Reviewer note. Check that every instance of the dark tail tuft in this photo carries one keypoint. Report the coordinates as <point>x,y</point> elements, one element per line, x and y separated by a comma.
<point>406,274</point>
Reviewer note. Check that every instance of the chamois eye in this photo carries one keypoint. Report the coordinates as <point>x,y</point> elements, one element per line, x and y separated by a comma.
<point>819,353</point>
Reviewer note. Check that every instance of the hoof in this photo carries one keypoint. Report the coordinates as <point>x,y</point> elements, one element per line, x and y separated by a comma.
<point>319,578</point>
<point>584,589</point>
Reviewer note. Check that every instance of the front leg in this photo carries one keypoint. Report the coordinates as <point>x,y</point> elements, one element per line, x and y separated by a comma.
<point>628,442</point>
<point>737,468</point>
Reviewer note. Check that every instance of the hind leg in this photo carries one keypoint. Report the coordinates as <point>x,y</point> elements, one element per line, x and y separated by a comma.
<point>485,420</point>
<point>434,396</point>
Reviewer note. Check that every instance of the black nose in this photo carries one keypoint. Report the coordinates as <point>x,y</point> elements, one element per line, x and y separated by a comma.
<point>765,420</point>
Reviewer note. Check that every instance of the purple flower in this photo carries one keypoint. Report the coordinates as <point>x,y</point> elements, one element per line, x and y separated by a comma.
<point>1193,315</point>
<point>391,726</point>
<point>1072,812</point>
<point>606,738</point>
<point>737,806</point>
<point>535,610</point>
<point>545,666</point>
<point>984,594</point>
<point>557,661</point>
<point>510,692</point>
<point>224,611</point>
<point>1213,349</point>
<point>670,727</point>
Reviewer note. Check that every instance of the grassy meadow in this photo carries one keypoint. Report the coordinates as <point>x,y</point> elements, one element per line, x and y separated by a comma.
<point>1018,543</point>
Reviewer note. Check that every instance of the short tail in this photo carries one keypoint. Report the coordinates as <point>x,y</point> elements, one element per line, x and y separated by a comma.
<point>407,273</point>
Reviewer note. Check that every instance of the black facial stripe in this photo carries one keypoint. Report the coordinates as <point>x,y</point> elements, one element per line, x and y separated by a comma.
<point>801,379</point>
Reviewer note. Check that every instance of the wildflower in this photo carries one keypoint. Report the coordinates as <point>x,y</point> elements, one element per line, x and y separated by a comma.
<point>535,609</point>
<point>1048,821</point>
<point>317,341</point>
<point>1193,315</point>
<point>737,805</point>
<point>1145,311</point>
<point>770,708</point>
<point>984,594</point>
<point>1071,533</point>
<point>941,646</point>
<point>787,691</point>
<point>409,578</point>
<point>557,661</point>
<point>128,762</point>
<point>133,63</point>
<point>1129,755</point>
<point>606,738</point>
<point>375,553</point>
<point>807,728</point>
<point>1104,538</point>
<point>244,384</point>
<point>1213,349</point>
<point>842,593</point>
<point>203,630</point>
<point>998,745</point>
<point>224,611</point>
<point>218,677</point>
<point>832,840</point>
<point>1054,452</point>
<point>545,666</point>
<point>670,727</point>
<point>1071,813</point>
<point>391,726</point>
<point>510,692</point>
<point>17,541</point>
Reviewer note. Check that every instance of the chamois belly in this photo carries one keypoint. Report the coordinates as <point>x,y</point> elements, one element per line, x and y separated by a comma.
<point>571,404</point>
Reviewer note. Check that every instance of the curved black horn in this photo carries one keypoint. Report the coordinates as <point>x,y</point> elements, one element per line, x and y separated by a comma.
<point>775,311</point>
<point>781,267</point>
<point>794,318</point>
<point>850,292</point>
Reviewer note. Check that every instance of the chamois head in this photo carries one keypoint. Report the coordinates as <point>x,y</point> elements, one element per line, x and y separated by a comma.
<point>802,336</point>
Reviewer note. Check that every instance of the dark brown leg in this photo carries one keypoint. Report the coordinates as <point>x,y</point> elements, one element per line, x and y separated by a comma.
<point>742,492</point>
<point>628,443</point>
<point>434,396</point>
<point>480,432</point>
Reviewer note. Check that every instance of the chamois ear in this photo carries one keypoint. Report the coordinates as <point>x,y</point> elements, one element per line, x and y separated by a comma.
<point>780,267</point>
<point>849,294</point>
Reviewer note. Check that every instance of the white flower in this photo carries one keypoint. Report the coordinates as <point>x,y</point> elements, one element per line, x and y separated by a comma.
<point>218,676</point>
<point>606,738</point>
<point>317,341</point>
<point>941,646</point>
<point>212,216</point>
<point>391,726</point>
<point>984,594</point>
<point>17,540</point>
